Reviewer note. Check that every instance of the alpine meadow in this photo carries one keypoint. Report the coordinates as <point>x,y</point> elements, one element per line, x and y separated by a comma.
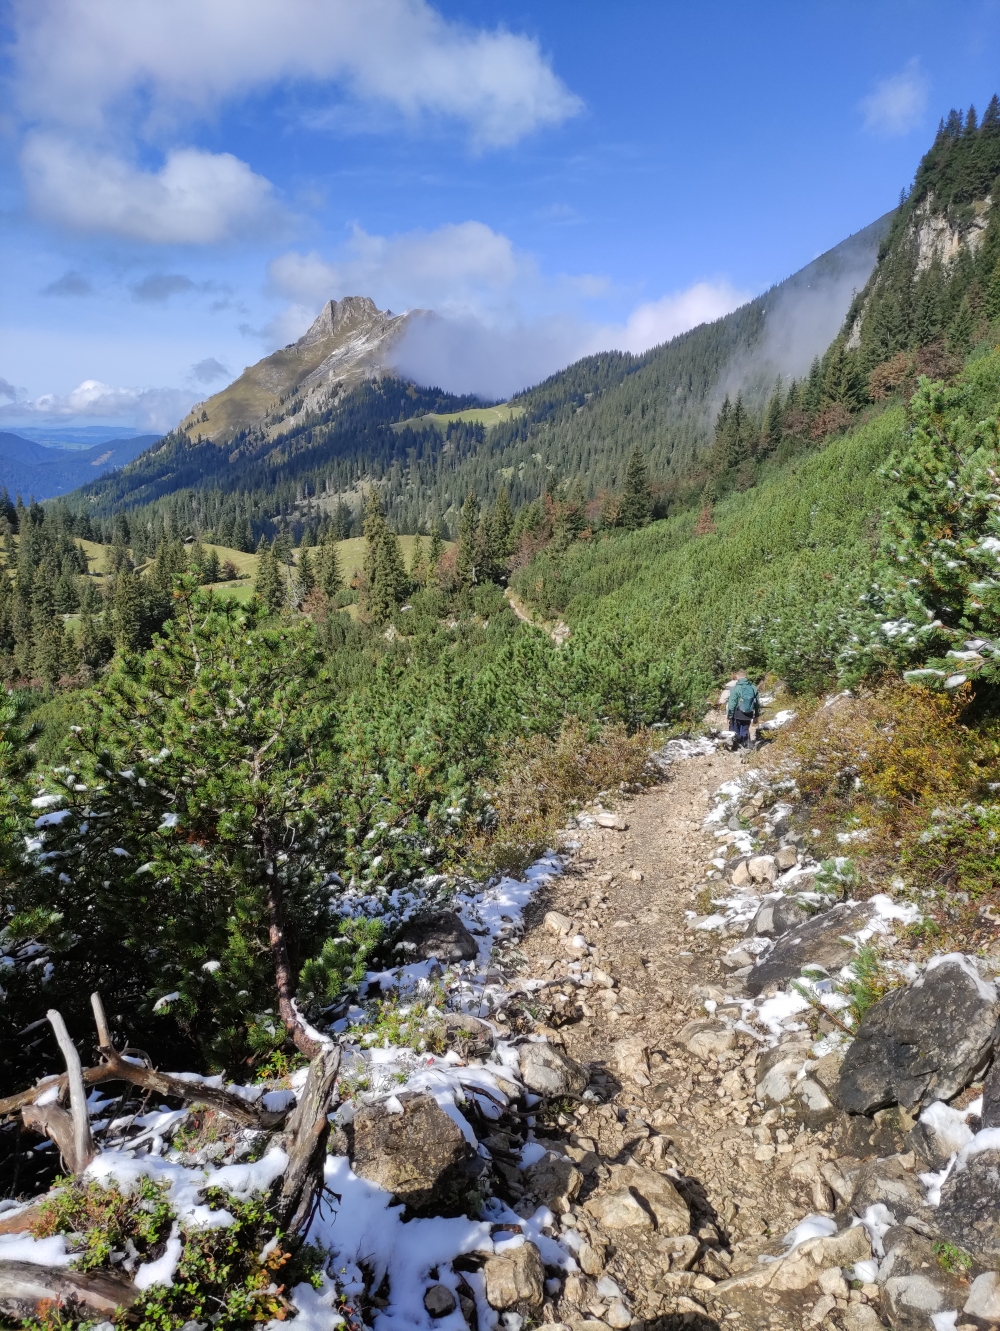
<point>366,761</point>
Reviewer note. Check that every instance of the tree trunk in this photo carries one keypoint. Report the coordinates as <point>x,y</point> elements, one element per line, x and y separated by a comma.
<point>287,1010</point>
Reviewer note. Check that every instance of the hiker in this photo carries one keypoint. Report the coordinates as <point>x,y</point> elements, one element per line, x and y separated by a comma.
<point>743,708</point>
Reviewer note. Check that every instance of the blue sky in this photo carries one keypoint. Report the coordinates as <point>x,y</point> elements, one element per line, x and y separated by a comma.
<point>184,182</point>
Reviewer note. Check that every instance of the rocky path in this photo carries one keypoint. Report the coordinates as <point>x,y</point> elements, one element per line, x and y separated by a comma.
<point>673,1086</point>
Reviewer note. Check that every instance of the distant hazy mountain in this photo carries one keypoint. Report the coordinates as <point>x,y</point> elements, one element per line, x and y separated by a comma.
<point>31,469</point>
<point>75,436</point>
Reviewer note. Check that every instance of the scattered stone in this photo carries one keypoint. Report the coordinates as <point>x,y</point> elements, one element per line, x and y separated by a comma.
<point>515,1277</point>
<point>707,1038</point>
<point>554,1181</point>
<point>557,923</point>
<point>618,1315</point>
<point>922,1042</point>
<point>776,915</point>
<point>889,1182</point>
<point>821,941</point>
<point>591,1259</point>
<point>420,1155</point>
<point>969,1213</point>
<point>442,935</point>
<point>786,858</point>
<point>680,1250</point>
<point>632,1059</point>
<point>546,1070</point>
<point>740,875</point>
<point>601,978</point>
<point>984,1297</point>
<point>762,869</point>
<point>619,1210</point>
<point>440,1301</point>
<point>658,1193</point>
<point>614,821</point>
<point>798,1270</point>
<point>861,1317</point>
<point>778,1068</point>
<point>815,1106</point>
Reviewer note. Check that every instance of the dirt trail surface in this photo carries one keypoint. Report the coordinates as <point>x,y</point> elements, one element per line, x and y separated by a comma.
<point>675,1086</point>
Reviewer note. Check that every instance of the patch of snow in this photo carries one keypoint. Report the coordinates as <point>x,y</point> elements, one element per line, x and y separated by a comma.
<point>161,1272</point>
<point>948,1125</point>
<point>44,1252</point>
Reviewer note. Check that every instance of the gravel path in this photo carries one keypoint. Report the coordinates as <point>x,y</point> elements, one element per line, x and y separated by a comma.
<point>746,1179</point>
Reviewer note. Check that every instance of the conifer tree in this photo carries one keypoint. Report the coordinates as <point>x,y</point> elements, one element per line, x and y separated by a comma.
<point>637,499</point>
<point>305,577</point>
<point>384,570</point>
<point>269,587</point>
<point>502,526</point>
<point>771,436</point>
<point>328,575</point>
<point>418,566</point>
<point>468,522</point>
<point>435,551</point>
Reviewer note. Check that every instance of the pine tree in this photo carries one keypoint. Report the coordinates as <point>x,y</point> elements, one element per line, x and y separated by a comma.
<point>418,566</point>
<point>269,587</point>
<point>637,498</point>
<point>384,571</point>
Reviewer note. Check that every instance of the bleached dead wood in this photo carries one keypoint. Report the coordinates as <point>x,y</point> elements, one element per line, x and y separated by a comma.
<point>305,1143</point>
<point>24,1285</point>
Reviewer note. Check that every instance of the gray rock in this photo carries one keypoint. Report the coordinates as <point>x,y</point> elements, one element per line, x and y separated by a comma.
<point>659,1195</point>
<point>887,1181</point>
<point>420,1156</point>
<point>909,1301</point>
<point>815,1106</point>
<point>776,915</point>
<point>546,1070</point>
<point>706,1038</point>
<point>861,1317</point>
<point>515,1277</point>
<point>984,1297</point>
<point>991,1096</point>
<point>819,941</point>
<point>440,1301</point>
<point>969,1213</point>
<point>921,1043</point>
<point>441,935</point>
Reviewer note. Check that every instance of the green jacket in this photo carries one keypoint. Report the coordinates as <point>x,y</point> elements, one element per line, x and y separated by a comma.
<point>745,697</point>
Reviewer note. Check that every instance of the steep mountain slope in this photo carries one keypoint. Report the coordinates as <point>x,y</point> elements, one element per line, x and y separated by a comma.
<point>347,343</point>
<point>31,469</point>
<point>324,428</point>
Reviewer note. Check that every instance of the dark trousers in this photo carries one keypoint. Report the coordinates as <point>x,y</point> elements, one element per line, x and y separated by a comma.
<point>742,729</point>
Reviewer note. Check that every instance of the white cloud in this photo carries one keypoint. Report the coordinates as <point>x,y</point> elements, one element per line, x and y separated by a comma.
<point>77,60</point>
<point>492,331</point>
<point>459,266</point>
<point>148,409</point>
<point>659,320</point>
<point>195,198</point>
<point>897,104</point>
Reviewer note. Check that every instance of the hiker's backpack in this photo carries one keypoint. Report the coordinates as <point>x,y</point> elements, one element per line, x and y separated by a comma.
<point>744,700</point>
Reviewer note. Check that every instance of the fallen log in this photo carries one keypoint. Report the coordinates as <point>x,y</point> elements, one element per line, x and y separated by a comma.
<point>24,1285</point>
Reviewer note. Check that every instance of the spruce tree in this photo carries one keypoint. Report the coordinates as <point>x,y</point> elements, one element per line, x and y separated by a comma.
<point>269,587</point>
<point>468,523</point>
<point>418,567</point>
<point>435,551</point>
<point>502,526</point>
<point>637,498</point>
<point>305,577</point>
<point>771,436</point>
<point>328,575</point>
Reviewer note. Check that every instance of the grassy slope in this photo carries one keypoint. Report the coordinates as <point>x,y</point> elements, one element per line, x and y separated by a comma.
<point>784,562</point>
<point>473,415</point>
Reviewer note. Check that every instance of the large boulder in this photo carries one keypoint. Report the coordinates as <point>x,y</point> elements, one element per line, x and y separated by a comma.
<point>969,1213</point>
<point>923,1042</point>
<point>889,1182</point>
<point>417,1153</point>
<point>778,1068</point>
<point>546,1070</point>
<point>441,935</point>
<point>823,941</point>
